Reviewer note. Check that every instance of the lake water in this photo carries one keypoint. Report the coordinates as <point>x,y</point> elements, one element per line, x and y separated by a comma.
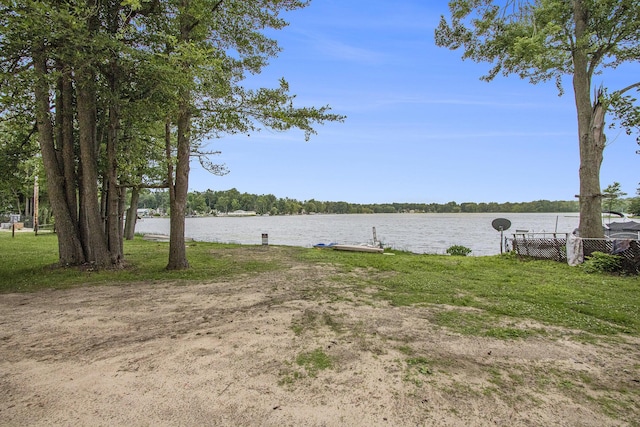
<point>419,233</point>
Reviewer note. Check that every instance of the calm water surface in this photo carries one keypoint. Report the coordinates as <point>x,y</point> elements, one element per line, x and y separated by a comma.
<point>419,233</point>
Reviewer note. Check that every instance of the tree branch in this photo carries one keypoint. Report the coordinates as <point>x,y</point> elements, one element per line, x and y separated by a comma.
<point>33,130</point>
<point>621,91</point>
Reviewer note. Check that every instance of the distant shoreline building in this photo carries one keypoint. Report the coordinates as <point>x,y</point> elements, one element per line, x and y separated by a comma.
<point>240,212</point>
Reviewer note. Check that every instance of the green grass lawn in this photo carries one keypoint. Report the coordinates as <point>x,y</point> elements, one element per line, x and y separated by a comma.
<point>502,289</point>
<point>29,263</point>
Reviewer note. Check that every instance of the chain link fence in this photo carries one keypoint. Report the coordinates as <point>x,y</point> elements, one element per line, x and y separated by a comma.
<point>553,246</point>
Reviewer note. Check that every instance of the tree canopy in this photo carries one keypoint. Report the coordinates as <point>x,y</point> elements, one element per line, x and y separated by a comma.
<point>122,94</point>
<point>220,202</point>
<point>542,40</point>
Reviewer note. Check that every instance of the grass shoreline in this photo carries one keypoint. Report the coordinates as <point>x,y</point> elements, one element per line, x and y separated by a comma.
<point>498,290</point>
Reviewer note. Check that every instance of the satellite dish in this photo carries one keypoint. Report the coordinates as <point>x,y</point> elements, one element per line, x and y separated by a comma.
<point>501,224</point>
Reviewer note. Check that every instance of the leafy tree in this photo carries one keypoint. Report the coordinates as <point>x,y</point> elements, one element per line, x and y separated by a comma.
<point>74,69</point>
<point>310,206</point>
<point>146,200</point>
<point>213,43</point>
<point>450,207</point>
<point>196,203</point>
<point>262,205</point>
<point>612,195</point>
<point>634,206</point>
<point>468,207</point>
<point>222,205</point>
<point>541,40</point>
<point>248,202</point>
<point>341,207</point>
<point>136,86</point>
<point>18,164</point>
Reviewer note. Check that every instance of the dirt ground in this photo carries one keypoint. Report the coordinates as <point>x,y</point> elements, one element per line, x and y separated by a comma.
<point>241,353</point>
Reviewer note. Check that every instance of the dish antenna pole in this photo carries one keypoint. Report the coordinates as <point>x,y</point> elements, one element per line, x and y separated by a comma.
<point>501,224</point>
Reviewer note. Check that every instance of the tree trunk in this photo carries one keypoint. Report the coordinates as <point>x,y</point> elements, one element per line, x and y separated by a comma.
<point>93,236</point>
<point>64,123</point>
<point>122,205</point>
<point>113,220</point>
<point>18,203</point>
<point>132,215</point>
<point>178,190</point>
<point>69,246</point>
<point>113,202</point>
<point>590,131</point>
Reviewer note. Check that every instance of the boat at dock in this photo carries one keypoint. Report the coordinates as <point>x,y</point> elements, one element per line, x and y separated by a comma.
<point>324,245</point>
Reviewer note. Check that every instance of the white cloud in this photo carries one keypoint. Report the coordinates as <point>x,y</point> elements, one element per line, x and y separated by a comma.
<point>336,49</point>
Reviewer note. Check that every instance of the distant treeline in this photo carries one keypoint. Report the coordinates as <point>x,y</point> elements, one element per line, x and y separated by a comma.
<point>208,202</point>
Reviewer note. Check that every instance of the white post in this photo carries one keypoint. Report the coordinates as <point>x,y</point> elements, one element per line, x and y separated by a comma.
<point>35,205</point>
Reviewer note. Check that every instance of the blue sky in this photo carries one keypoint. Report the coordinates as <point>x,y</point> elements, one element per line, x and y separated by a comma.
<point>421,126</point>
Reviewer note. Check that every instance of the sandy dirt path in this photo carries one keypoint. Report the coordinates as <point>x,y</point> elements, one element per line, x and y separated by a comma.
<point>240,353</point>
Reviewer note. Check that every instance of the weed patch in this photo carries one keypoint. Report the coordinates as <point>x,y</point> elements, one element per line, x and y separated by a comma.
<point>314,361</point>
<point>418,368</point>
<point>309,365</point>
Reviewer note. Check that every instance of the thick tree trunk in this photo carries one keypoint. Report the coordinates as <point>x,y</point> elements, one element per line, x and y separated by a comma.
<point>590,131</point>
<point>69,245</point>
<point>180,187</point>
<point>132,215</point>
<point>64,122</point>
<point>94,241</point>
<point>113,220</point>
<point>113,201</point>
<point>178,190</point>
